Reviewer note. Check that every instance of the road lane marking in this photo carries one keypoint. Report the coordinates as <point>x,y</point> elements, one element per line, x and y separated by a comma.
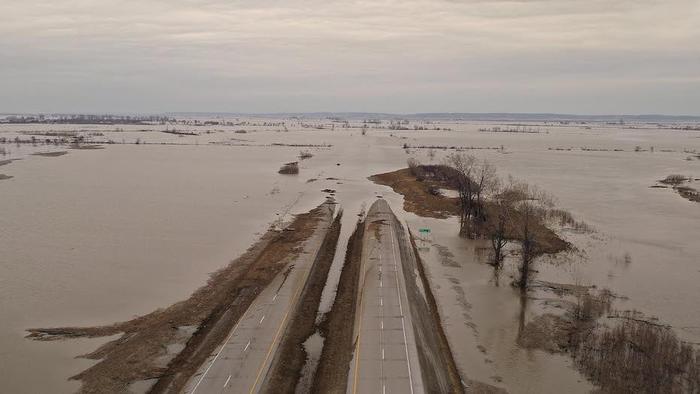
<point>277,334</point>
<point>381,302</point>
<point>403,326</point>
<point>246,346</point>
<point>227,380</point>
<point>359,333</point>
<point>382,324</point>
<point>221,349</point>
<point>261,319</point>
<point>275,297</point>
<point>383,354</point>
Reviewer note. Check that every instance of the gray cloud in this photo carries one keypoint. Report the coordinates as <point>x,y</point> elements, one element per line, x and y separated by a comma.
<point>395,56</point>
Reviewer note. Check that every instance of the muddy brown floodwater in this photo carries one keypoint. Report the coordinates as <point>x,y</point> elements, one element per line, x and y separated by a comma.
<point>99,236</point>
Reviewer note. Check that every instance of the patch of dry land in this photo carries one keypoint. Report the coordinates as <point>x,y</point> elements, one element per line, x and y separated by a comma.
<point>422,196</point>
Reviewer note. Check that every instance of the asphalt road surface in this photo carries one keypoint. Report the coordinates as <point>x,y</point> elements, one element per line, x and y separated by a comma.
<point>386,355</point>
<point>240,365</point>
<point>386,358</point>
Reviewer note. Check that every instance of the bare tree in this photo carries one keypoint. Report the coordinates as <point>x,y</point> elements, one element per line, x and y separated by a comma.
<point>500,221</point>
<point>485,181</point>
<point>474,181</point>
<point>531,209</point>
<point>431,154</point>
<point>414,166</point>
<point>527,243</point>
<point>464,167</point>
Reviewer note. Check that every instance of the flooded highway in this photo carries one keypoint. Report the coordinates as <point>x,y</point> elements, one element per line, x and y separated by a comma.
<point>87,235</point>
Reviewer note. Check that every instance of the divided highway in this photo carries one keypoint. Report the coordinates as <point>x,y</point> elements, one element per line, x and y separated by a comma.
<point>397,344</point>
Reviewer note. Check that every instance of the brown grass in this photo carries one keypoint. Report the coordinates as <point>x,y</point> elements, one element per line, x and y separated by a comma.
<point>419,196</point>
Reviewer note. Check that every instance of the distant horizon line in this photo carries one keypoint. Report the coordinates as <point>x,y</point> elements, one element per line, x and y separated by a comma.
<point>491,115</point>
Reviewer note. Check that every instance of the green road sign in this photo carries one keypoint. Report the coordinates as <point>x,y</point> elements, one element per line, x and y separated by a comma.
<point>424,230</point>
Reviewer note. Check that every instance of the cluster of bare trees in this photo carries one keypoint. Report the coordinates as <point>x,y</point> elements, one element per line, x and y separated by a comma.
<point>502,210</point>
<point>473,180</point>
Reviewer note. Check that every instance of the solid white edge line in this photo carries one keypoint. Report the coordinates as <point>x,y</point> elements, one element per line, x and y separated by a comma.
<point>220,350</point>
<point>403,326</point>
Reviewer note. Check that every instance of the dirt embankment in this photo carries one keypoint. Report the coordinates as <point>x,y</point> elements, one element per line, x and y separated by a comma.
<point>422,198</point>
<point>337,328</point>
<point>286,369</point>
<point>140,353</point>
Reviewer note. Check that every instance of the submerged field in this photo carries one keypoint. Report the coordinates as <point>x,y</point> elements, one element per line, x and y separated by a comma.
<point>96,236</point>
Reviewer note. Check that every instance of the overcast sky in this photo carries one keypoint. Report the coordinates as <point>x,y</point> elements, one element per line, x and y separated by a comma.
<point>400,56</point>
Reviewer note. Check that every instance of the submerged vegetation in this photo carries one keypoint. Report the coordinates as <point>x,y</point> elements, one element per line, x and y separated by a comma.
<point>621,352</point>
<point>289,168</point>
<point>680,183</point>
<point>637,356</point>
<point>305,154</point>
<point>498,210</point>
